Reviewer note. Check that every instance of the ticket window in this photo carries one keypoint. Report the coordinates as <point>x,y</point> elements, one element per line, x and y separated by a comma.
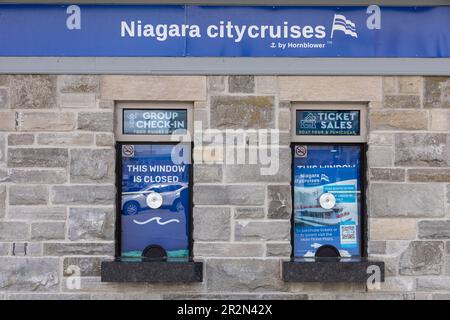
<point>154,181</point>
<point>328,154</point>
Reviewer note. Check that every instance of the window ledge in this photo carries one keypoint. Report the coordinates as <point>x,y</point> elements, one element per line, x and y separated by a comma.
<point>314,270</point>
<point>152,271</point>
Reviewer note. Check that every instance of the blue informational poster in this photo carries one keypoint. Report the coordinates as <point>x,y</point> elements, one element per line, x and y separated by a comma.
<point>327,199</point>
<point>154,121</point>
<point>328,122</point>
<point>155,198</point>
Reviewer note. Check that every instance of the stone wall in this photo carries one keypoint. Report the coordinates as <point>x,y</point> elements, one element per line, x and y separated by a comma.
<point>57,176</point>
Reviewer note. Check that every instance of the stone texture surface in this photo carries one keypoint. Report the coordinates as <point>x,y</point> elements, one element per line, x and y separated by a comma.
<point>392,229</point>
<point>83,195</point>
<point>39,121</point>
<point>434,229</point>
<point>20,139</point>
<point>402,101</point>
<point>29,274</point>
<point>246,275</point>
<point>242,112</point>
<point>37,157</point>
<point>89,266</point>
<point>2,201</point>
<point>249,213</point>
<point>28,195</point>
<point>422,258</point>
<point>13,231</point>
<point>422,150</point>
<point>435,92</point>
<point>91,224</point>
<point>41,231</point>
<point>280,202</point>
<point>82,248</point>
<point>172,88</point>
<point>92,166</point>
<point>95,121</point>
<point>65,139</point>
<point>429,175</point>
<point>407,200</point>
<point>38,176</point>
<point>398,120</point>
<point>229,195</point>
<point>212,223</point>
<point>241,84</point>
<point>33,92</point>
<point>211,249</point>
<point>387,174</point>
<point>326,88</point>
<point>38,213</point>
<point>262,231</point>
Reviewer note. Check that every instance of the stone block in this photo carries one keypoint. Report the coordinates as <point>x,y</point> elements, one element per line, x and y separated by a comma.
<point>44,231</point>
<point>429,175</point>
<point>410,84</point>
<point>78,100</point>
<point>241,84</point>
<point>92,165</point>
<point>96,121</point>
<point>38,176</point>
<point>29,274</point>
<point>398,120</point>
<point>330,88</point>
<point>37,213</point>
<point>211,223</point>
<point>242,112</point>
<point>28,195</point>
<point>229,195</point>
<point>402,101</point>
<point>406,200</point>
<point>434,95</point>
<point>380,156</point>
<point>83,195</point>
<point>434,229</point>
<point>46,121</point>
<point>65,139</point>
<point>4,99</point>
<point>7,121</point>
<point>91,224</point>
<point>76,249</point>
<point>278,250</point>
<point>14,231</point>
<point>33,92</point>
<point>249,213</point>
<point>279,202</point>
<point>422,258</point>
<point>207,173</point>
<point>38,157</point>
<point>245,275</point>
<point>433,284</point>
<point>213,249</point>
<point>387,174</point>
<point>392,229</point>
<point>216,84</point>
<point>104,140</point>
<point>168,88</point>
<point>2,201</point>
<point>440,120</point>
<point>20,139</point>
<point>262,230</point>
<point>78,83</point>
<point>89,266</point>
<point>266,84</point>
<point>422,150</point>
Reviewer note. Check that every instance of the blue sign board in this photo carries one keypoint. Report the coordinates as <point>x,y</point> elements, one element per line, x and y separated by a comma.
<point>328,122</point>
<point>224,31</point>
<point>154,121</point>
<point>155,199</point>
<point>327,199</point>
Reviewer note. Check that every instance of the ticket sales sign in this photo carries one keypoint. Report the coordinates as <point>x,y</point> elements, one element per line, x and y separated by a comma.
<point>328,122</point>
<point>224,31</point>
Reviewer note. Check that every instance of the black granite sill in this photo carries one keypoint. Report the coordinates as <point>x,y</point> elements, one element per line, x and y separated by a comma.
<point>152,271</point>
<point>329,270</point>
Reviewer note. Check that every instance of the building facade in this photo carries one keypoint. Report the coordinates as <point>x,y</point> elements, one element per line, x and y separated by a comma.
<point>59,178</point>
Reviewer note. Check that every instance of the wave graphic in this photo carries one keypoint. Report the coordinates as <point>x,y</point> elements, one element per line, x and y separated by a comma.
<point>158,220</point>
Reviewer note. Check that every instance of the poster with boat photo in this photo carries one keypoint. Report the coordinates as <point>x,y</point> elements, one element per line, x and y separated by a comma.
<point>155,199</point>
<point>327,201</point>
